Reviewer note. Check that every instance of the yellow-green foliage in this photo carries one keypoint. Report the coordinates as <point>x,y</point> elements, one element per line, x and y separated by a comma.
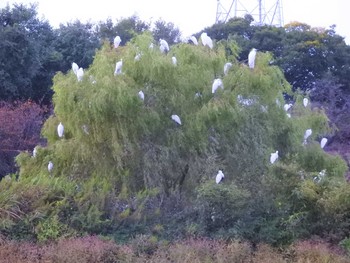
<point>121,157</point>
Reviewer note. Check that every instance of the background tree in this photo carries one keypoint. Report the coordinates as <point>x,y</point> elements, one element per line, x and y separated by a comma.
<point>76,42</point>
<point>126,28</point>
<point>167,31</point>
<point>28,60</point>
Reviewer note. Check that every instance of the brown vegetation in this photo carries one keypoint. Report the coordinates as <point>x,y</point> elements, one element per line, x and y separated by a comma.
<point>93,249</point>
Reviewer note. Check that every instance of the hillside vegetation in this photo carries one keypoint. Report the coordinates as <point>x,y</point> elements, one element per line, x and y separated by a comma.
<point>124,168</point>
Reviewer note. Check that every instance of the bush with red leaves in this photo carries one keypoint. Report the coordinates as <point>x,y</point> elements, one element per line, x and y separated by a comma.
<point>20,128</point>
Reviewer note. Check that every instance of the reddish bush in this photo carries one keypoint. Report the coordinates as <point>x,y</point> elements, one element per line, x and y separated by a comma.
<point>20,128</point>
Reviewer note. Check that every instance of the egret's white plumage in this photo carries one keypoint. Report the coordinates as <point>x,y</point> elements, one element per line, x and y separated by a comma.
<point>174,60</point>
<point>118,67</point>
<point>273,157</point>
<point>251,58</point>
<point>85,129</point>
<point>217,84</point>
<point>323,142</point>
<point>35,151</point>
<point>80,74</point>
<point>305,102</point>
<point>117,41</point>
<point>206,40</point>
<point>219,177</point>
<point>227,67</point>
<point>141,95</point>
<point>194,40</point>
<point>75,68</point>
<point>176,118</point>
<point>164,47</point>
<point>138,57</point>
<point>286,107</point>
<point>50,166</point>
<point>60,130</point>
<point>307,134</point>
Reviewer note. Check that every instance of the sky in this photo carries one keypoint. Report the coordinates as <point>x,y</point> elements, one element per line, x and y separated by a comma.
<point>190,16</point>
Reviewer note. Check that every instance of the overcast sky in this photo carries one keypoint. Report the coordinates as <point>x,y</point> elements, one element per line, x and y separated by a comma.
<point>190,16</point>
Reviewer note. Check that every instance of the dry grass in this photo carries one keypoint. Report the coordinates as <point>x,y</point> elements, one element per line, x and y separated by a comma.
<point>93,249</point>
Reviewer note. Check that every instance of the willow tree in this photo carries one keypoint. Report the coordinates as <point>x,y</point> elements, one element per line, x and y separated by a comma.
<point>123,160</point>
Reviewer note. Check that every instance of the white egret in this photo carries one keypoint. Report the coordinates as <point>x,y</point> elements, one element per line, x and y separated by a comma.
<point>206,41</point>
<point>227,67</point>
<point>273,157</point>
<point>164,47</point>
<point>194,40</point>
<point>85,128</point>
<point>305,102</point>
<point>174,60</point>
<point>118,67</point>
<point>216,84</point>
<point>138,57</point>
<point>141,95</point>
<point>35,151</point>
<point>60,130</point>
<point>323,142</point>
<point>251,58</point>
<point>286,107</point>
<point>117,41</point>
<point>307,134</point>
<point>176,118</point>
<point>80,74</point>
<point>219,177</point>
<point>50,166</point>
<point>75,68</point>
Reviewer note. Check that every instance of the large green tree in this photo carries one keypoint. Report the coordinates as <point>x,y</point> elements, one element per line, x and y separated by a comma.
<point>28,58</point>
<point>124,166</point>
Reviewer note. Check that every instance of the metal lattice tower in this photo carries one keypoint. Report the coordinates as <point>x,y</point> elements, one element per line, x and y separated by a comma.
<point>264,12</point>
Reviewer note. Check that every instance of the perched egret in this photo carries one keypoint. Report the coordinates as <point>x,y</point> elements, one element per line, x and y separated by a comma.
<point>194,40</point>
<point>138,57</point>
<point>141,95</point>
<point>305,102</point>
<point>117,41</point>
<point>118,67</point>
<point>80,74</point>
<point>174,60</point>
<point>251,58</point>
<point>164,47</point>
<point>85,129</point>
<point>35,151</point>
<point>323,142</point>
<point>216,84</point>
<point>286,107</point>
<point>219,177</point>
<point>206,41</point>
<point>50,166</point>
<point>273,157</point>
<point>75,68</point>
<point>307,134</point>
<point>227,67</point>
<point>60,130</point>
<point>176,118</point>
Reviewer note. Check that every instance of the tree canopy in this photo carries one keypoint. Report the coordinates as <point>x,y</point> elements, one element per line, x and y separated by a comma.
<point>125,167</point>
